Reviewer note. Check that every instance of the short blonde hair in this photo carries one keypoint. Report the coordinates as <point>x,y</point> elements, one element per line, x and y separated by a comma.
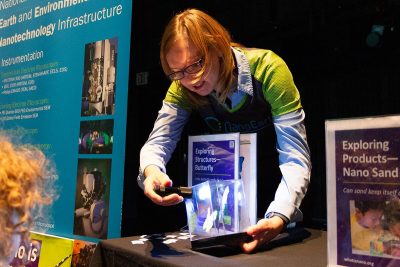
<point>208,36</point>
<point>24,175</point>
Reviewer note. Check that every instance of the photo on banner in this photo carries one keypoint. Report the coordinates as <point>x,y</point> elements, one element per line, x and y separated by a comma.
<point>98,90</point>
<point>96,137</point>
<point>92,198</point>
<point>82,253</point>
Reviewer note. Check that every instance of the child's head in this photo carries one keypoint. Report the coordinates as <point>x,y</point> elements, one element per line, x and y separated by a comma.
<point>24,174</point>
<point>392,216</point>
<point>369,213</point>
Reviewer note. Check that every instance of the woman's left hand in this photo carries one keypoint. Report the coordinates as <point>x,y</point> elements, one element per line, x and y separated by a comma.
<point>264,231</point>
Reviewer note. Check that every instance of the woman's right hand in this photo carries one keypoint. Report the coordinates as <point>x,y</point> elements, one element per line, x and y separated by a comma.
<point>154,179</point>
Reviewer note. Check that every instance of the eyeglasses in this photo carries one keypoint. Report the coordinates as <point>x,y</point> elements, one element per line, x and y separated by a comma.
<point>191,69</point>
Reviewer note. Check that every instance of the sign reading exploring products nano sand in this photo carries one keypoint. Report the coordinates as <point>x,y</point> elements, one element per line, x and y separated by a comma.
<point>363,161</point>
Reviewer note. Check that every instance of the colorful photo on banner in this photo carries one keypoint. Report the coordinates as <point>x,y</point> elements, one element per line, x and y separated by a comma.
<point>96,137</point>
<point>375,228</point>
<point>82,253</point>
<point>366,225</point>
<point>391,239</point>
<point>92,198</point>
<point>98,89</point>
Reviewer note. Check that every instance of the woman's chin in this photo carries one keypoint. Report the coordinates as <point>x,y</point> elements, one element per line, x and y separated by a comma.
<point>202,91</point>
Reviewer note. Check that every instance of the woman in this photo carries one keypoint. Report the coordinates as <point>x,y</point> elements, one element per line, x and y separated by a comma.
<point>227,84</point>
<point>25,174</point>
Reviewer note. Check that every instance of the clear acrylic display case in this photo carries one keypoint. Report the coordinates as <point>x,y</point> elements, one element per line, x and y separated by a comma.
<point>217,209</point>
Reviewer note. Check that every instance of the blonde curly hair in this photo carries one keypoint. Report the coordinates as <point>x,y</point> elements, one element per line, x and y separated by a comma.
<point>24,175</point>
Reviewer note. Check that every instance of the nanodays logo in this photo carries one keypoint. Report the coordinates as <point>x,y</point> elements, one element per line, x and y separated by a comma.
<point>228,126</point>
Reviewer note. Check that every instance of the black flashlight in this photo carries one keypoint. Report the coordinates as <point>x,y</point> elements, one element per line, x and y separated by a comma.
<point>185,192</point>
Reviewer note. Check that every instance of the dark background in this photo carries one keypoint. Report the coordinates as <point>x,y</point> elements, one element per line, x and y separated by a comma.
<point>324,43</point>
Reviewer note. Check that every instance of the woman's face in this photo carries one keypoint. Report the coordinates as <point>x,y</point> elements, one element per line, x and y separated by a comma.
<point>183,54</point>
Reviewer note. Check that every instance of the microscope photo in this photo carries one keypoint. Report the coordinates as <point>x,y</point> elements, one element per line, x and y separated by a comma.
<point>92,198</point>
<point>98,90</point>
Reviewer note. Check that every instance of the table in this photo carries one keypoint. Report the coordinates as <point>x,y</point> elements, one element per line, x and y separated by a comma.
<point>296,247</point>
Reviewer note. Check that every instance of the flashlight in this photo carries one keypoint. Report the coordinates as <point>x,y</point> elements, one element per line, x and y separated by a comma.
<point>185,192</point>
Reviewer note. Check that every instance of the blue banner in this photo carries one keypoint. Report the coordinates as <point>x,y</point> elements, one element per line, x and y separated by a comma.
<point>64,68</point>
